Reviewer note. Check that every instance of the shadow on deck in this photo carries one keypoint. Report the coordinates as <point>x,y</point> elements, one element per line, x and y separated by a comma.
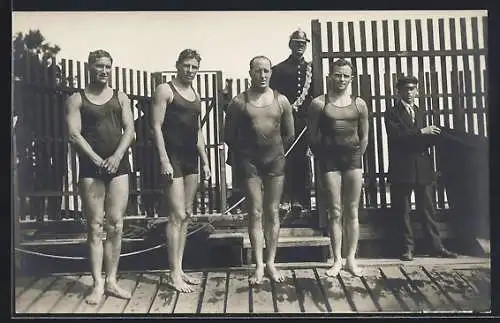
<point>388,285</point>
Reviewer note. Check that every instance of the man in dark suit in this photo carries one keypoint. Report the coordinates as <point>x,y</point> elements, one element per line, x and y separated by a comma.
<point>410,167</point>
<point>292,78</point>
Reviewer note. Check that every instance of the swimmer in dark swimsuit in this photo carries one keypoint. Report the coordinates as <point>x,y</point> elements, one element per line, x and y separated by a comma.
<point>259,129</point>
<point>178,139</point>
<point>101,127</point>
<point>342,122</point>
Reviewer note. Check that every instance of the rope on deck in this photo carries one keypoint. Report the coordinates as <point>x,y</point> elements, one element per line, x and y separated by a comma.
<point>286,154</point>
<point>36,253</point>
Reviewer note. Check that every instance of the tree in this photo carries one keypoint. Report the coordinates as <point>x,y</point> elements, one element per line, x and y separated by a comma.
<point>32,44</point>
<point>36,130</point>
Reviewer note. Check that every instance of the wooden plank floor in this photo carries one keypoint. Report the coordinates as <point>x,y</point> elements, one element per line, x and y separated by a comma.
<point>425,285</point>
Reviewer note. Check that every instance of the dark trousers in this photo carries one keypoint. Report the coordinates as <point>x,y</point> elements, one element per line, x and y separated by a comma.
<point>297,169</point>
<point>400,196</point>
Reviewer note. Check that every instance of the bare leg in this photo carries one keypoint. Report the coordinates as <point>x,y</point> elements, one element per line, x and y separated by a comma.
<point>333,184</point>
<point>115,205</point>
<point>351,191</point>
<point>190,188</point>
<point>93,192</point>
<point>273,188</point>
<point>254,198</point>
<point>174,201</point>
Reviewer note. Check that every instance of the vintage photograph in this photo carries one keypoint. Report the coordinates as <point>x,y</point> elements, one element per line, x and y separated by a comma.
<point>211,162</point>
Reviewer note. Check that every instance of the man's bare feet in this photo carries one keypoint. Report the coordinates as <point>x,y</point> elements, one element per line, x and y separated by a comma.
<point>352,267</point>
<point>95,295</point>
<point>177,283</point>
<point>273,273</point>
<point>190,280</point>
<point>113,289</point>
<point>334,270</point>
<point>258,276</point>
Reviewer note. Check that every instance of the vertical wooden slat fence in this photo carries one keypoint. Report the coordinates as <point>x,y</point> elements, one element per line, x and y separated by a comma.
<point>47,142</point>
<point>220,171</point>
<point>450,66</point>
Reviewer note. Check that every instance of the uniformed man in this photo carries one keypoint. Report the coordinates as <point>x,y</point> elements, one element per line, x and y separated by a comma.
<point>293,78</point>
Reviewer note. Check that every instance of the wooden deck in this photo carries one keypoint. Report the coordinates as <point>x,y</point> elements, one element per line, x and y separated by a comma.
<point>424,285</point>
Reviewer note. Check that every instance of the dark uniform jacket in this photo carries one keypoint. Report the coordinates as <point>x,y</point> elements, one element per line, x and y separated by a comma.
<point>409,158</point>
<point>288,78</point>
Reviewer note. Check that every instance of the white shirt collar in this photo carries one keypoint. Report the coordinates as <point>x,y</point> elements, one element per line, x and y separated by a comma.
<point>407,105</point>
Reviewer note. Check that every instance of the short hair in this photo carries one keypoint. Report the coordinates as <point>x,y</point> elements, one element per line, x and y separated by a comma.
<point>406,79</point>
<point>189,54</point>
<point>96,54</point>
<point>342,62</point>
<point>260,57</point>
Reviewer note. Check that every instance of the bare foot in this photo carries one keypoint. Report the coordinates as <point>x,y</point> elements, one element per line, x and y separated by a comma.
<point>113,289</point>
<point>190,280</point>
<point>95,295</point>
<point>274,274</point>
<point>177,283</point>
<point>334,270</point>
<point>258,277</point>
<point>353,268</point>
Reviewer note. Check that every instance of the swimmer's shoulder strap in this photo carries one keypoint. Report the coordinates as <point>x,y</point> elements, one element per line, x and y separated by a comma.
<point>354,100</point>
<point>276,95</point>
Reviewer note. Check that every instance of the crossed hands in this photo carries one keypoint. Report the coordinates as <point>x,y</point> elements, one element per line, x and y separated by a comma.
<point>108,165</point>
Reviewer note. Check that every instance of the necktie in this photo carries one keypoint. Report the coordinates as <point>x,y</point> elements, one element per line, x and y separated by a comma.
<point>412,113</point>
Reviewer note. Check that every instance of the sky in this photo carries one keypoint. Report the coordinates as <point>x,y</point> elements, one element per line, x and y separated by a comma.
<point>151,41</point>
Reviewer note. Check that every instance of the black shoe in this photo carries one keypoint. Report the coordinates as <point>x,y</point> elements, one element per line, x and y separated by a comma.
<point>444,253</point>
<point>407,256</point>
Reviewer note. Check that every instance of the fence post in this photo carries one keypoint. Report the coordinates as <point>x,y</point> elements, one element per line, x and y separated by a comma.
<point>220,144</point>
<point>317,80</point>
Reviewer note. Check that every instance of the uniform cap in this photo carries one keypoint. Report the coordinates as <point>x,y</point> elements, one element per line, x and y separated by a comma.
<point>299,35</point>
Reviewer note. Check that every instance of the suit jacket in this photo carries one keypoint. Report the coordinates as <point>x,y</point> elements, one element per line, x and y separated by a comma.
<point>409,158</point>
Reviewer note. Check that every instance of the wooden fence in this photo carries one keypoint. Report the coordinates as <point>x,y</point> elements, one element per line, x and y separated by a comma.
<point>449,61</point>
<point>47,166</point>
